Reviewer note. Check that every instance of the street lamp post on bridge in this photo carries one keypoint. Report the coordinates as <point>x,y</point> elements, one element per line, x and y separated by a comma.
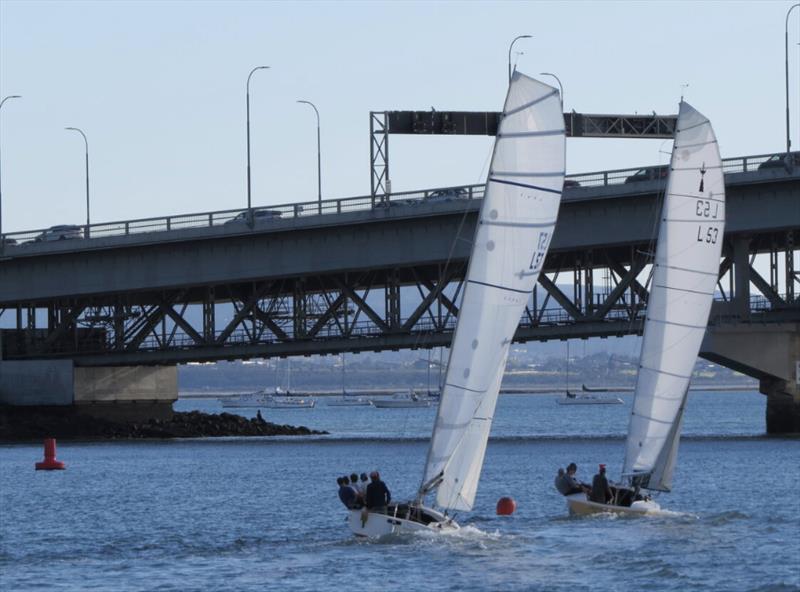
<point>786,40</point>
<point>86,144</point>
<point>509,51</point>
<point>319,156</point>
<point>560,86</point>
<point>1,187</point>
<point>249,199</point>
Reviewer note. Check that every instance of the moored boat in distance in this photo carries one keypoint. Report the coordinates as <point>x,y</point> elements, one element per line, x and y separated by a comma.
<point>401,401</point>
<point>583,399</point>
<point>266,400</point>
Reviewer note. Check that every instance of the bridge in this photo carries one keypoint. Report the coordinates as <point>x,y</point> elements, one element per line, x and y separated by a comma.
<point>384,271</point>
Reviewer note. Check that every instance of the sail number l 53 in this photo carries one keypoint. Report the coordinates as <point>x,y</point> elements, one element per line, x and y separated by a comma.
<point>709,236</point>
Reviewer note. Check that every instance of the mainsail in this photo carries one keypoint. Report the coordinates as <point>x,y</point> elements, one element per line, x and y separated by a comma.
<point>684,278</point>
<point>515,226</point>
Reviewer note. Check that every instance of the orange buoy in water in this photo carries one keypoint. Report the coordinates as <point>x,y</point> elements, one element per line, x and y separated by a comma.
<point>49,463</point>
<point>506,506</point>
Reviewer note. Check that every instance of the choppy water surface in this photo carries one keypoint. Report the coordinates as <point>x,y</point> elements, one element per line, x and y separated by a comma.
<point>261,514</point>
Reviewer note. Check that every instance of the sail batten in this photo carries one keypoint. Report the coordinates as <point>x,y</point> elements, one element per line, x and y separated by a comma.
<point>690,231</point>
<point>517,218</point>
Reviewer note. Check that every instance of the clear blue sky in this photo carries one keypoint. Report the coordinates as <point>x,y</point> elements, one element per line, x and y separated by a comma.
<point>159,88</point>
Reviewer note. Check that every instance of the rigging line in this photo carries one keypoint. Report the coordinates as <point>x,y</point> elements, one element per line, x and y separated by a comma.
<point>530,173</point>
<point>529,104</point>
<point>488,285</point>
<point>675,267</point>
<point>549,224</point>
<point>690,196</point>
<point>665,322</point>
<point>684,290</point>
<point>683,129</point>
<point>703,168</point>
<point>534,134</point>
<point>657,371</point>
<point>708,221</point>
<point>714,141</point>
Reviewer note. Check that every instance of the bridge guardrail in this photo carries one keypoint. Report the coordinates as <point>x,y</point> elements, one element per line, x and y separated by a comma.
<point>262,215</point>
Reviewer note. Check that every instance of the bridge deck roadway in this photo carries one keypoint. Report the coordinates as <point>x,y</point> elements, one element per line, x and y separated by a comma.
<point>761,204</point>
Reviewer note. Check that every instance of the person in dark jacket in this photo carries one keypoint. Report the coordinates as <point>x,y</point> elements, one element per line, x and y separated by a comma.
<point>378,496</point>
<point>346,493</point>
<point>561,483</point>
<point>601,492</point>
<point>571,483</point>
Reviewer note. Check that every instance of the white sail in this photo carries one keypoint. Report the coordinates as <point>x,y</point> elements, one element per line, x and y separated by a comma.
<point>684,278</point>
<point>515,226</point>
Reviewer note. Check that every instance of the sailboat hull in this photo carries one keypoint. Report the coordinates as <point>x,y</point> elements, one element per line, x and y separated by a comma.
<point>397,521</point>
<point>580,506</point>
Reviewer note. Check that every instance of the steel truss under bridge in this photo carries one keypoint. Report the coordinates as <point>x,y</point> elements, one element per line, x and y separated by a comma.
<point>590,293</point>
<point>485,123</point>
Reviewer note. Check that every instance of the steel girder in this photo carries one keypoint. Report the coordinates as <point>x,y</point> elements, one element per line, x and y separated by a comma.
<point>376,309</point>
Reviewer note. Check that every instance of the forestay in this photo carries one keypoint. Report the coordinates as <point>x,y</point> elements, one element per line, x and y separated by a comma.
<point>514,230</point>
<point>684,278</point>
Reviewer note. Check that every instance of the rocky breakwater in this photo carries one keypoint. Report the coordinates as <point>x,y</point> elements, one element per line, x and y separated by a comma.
<point>21,424</point>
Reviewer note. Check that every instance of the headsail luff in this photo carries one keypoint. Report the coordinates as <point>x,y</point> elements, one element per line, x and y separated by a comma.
<point>684,279</point>
<point>515,226</point>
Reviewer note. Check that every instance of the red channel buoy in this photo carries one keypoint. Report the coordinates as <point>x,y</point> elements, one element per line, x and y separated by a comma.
<point>49,463</point>
<point>506,506</point>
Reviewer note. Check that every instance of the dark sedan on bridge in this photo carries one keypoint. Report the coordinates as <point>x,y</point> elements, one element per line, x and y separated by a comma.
<point>258,216</point>
<point>783,160</point>
<point>648,174</point>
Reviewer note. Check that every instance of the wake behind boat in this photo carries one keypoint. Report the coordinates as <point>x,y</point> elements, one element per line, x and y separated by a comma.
<point>583,399</point>
<point>512,237</point>
<point>685,273</point>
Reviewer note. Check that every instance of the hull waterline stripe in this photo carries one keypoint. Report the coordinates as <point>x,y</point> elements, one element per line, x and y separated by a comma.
<point>684,290</point>
<point>530,103</point>
<point>517,184</point>
<point>498,287</point>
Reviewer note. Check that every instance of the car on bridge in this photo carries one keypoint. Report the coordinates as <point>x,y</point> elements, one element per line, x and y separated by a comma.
<point>60,232</point>
<point>783,160</point>
<point>258,216</point>
<point>448,194</point>
<point>648,174</point>
<point>571,183</point>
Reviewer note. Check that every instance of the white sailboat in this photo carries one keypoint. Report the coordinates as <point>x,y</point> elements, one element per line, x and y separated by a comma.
<point>684,278</point>
<point>515,226</point>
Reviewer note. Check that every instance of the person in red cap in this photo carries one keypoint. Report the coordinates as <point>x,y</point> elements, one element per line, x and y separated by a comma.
<point>601,492</point>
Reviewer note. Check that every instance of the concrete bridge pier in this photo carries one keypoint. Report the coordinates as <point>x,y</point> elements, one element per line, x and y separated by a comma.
<point>772,355</point>
<point>117,393</point>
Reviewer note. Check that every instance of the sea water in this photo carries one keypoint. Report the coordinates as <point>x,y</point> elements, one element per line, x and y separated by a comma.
<point>263,513</point>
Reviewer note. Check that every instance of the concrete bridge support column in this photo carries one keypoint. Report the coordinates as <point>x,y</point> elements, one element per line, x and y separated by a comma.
<point>770,353</point>
<point>119,393</point>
